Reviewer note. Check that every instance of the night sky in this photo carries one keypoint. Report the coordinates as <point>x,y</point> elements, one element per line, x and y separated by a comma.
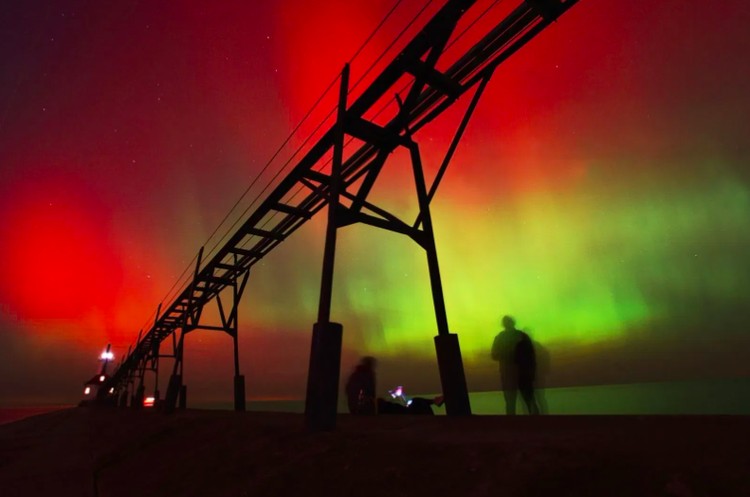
<point>601,194</point>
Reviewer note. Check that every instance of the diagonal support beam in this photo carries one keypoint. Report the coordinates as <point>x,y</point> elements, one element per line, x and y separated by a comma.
<point>454,143</point>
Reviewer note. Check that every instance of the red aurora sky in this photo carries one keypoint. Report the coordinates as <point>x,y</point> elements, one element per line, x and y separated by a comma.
<point>601,193</point>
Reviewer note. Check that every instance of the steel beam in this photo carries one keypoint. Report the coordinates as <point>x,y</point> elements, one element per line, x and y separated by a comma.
<point>325,356</point>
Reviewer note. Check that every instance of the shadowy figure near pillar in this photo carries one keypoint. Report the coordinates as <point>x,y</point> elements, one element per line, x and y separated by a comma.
<point>360,388</point>
<point>514,351</point>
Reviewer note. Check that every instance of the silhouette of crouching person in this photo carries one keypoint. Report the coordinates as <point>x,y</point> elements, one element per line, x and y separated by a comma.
<point>514,351</point>
<point>360,388</point>
<point>361,400</point>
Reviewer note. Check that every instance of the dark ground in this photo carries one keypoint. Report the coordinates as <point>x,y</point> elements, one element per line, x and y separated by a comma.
<point>107,452</point>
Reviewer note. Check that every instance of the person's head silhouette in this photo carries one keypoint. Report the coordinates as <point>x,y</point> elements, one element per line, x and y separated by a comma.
<point>509,323</point>
<point>368,363</point>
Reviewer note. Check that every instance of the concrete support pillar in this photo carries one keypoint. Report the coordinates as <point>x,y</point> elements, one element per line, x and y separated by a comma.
<point>173,390</point>
<point>452,375</point>
<point>239,393</point>
<point>138,397</point>
<point>321,401</point>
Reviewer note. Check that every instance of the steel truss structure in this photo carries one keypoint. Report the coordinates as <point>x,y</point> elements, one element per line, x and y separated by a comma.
<point>345,190</point>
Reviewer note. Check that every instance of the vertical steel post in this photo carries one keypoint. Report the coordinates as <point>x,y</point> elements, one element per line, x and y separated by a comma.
<point>236,355</point>
<point>239,380</point>
<point>176,388</point>
<point>175,380</point>
<point>157,393</point>
<point>329,252</point>
<point>450,364</point>
<point>123,399</point>
<point>429,241</point>
<point>140,391</point>
<point>325,351</point>
<point>155,360</point>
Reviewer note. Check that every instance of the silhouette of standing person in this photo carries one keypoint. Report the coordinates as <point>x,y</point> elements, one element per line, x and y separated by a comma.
<point>360,387</point>
<point>514,351</point>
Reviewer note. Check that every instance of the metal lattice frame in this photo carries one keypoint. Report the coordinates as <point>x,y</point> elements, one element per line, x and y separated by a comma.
<point>282,212</point>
